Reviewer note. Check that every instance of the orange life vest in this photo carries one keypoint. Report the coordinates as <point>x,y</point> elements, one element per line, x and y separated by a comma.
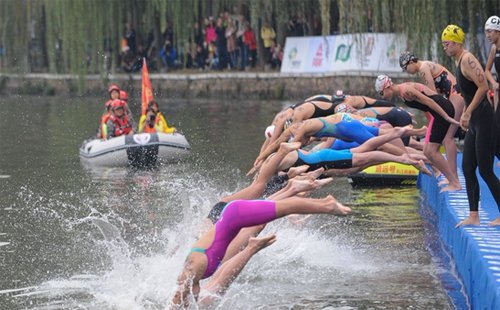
<point>122,126</point>
<point>148,129</point>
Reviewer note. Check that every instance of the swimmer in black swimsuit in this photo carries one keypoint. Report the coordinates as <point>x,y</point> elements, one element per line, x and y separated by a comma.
<point>421,97</point>
<point>439,79</point>
<point>478,119</point>
<point>492,29</point>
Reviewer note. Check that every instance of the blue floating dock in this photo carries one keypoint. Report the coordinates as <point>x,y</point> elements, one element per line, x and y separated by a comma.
<point>474,249</point>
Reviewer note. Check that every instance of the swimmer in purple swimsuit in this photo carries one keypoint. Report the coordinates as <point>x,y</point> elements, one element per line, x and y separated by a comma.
<point>208,252</point>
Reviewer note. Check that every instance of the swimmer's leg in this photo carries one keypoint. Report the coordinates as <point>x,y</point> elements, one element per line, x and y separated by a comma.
<point>378,141</point>
<point>308,205</point>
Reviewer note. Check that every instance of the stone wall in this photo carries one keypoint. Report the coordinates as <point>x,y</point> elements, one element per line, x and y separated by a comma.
<point>280,86</point>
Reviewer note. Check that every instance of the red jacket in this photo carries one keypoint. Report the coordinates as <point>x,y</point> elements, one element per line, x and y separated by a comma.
<point>249,39</point>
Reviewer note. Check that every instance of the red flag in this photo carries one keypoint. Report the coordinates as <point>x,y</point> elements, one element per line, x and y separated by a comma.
<point>147,90</point>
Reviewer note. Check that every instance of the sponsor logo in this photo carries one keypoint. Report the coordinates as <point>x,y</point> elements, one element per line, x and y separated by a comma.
<point>142,138</point>
<point>391,54</point>
<point>318,59</point>
<point>294,64</point>
<point>343,53</point>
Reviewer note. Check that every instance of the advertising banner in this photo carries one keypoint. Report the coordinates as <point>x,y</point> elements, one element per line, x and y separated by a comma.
<point>374,52</point>
<point>320,54</point>
<point>295,54</point>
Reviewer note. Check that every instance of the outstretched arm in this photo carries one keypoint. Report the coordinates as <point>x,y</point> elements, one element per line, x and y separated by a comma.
<point>228,271</point>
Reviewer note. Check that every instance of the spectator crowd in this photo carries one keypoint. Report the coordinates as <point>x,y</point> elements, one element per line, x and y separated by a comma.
<point>228,42</point>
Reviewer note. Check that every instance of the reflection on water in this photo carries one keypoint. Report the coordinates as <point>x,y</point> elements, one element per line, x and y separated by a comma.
<point>80,237</point>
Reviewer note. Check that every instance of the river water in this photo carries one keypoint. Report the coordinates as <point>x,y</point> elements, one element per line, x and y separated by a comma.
<point>79,237</point>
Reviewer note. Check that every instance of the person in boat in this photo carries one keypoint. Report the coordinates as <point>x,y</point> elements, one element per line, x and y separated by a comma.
<point>160,122</point>
<point>114,93</point>
<point>442,81</point>
<point>421,97</point>
<point>124,97</point>
<point>208,252</point>
<point>102,129</point>
<point>118,124</point>
<point>149,125</point>
<point>481,139</point>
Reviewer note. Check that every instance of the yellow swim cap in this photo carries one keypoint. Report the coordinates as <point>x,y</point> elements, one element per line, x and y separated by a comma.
<point>453,33</point>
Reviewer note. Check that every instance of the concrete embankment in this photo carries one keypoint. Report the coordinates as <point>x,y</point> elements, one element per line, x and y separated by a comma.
<point>223,85</point>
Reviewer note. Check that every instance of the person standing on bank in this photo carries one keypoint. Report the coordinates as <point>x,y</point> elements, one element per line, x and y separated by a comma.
<point>439,79</point>
<point>478,119</point>
<point>492,29</point>
<point>419,96</point>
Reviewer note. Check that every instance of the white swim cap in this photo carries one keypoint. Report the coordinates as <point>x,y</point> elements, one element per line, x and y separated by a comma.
<point>269,132</point>
<point>493,23</point>
<point>382,82</point>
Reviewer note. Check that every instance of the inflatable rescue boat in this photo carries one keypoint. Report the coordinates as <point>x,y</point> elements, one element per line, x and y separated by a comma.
<point>138,150</point>
<point>387,174</point>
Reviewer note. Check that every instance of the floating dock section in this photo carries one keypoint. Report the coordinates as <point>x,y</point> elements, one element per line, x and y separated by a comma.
<point>474,249</point>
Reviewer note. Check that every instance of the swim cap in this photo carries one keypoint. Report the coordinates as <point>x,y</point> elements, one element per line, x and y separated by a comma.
<point>453,33</point>
<point>404,59</point>
<point>338,94</point>
<point>269,132</point>
<point>492,23</point>
<point>344,108</point>
<point>382,82</point>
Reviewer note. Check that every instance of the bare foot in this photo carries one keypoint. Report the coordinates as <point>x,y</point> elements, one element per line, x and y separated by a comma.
<point>420,165</point>
<point>402,130</point>
<point>336,207</point>
<point>437,173</point>
<point>451,188</point>
<point>302,185</point>
<point>288,147</point>
<point>313,175</point>
<point>322,182</point>
<point>295,171</point>
<point>406,159</point>
<point>443,182</point>
<point>495,222</point>
<point>473,219</point>
<point>298,220</point>
<point>257,244</point>
<point>422,131</point>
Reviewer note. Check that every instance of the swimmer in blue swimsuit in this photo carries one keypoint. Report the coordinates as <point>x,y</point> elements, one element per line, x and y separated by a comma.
<point>355,159</point>
<point>350,130</point>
